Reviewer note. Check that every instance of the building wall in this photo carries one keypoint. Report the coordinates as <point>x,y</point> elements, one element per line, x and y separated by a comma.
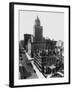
<point>38,46</point>
<point>38,34</point>
<point>29,47</point>
<point>38,31</point>
<point>26,38</point>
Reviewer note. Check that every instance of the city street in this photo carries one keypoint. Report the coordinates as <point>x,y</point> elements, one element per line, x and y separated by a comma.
<point>39,74</point>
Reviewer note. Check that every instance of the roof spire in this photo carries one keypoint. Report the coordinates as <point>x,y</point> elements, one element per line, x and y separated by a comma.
<point>37,21</point>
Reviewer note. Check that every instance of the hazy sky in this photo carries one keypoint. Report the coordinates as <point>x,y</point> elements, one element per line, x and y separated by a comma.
<point>52,22</point>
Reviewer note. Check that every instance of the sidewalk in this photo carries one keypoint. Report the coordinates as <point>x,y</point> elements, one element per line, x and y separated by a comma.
<point>29,58</point>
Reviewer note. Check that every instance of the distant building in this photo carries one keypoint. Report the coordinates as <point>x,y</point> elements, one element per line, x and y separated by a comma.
<point>38,31</point>
<point>28,39</point>
<point>60,47</point>
<point>39,41</point>
<point>29,47</point>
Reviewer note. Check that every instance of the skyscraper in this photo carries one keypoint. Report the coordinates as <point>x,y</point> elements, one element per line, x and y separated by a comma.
<point>38,33</point>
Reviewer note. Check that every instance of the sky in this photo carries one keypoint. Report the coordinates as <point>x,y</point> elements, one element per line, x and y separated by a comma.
<point>52,23</point>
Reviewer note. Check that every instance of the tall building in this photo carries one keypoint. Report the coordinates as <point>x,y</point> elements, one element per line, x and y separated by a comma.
<point>39,42</point>
<point>38,31</point>
<point>26,38</point>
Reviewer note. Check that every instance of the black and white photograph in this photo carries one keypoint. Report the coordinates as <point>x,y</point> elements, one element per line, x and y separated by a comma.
<point>41,44</point>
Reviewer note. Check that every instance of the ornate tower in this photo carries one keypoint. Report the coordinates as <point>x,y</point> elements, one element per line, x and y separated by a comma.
<point>38,31</point>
